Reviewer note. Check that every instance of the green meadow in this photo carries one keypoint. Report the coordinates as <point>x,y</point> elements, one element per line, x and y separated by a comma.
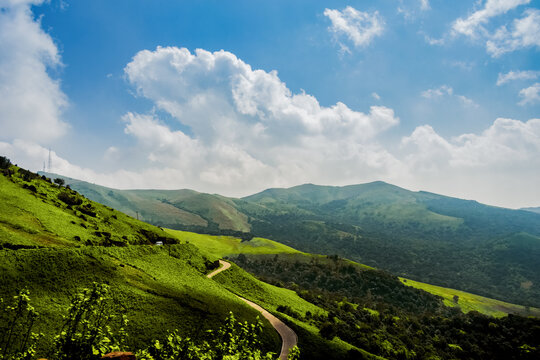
<point>471,302</point>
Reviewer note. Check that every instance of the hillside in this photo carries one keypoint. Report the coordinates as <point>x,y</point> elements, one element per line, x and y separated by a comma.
<point>455,243</point>
<point>427,237</point>
<point>378,312</point>
<point>532,209</point>
<point>56,249</point>
<point>176,209</point>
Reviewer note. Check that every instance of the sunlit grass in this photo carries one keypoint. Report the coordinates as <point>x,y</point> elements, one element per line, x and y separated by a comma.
<point>471,302</point>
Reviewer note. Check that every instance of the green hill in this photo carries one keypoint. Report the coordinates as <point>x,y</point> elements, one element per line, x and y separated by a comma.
<point>428,237</point>
<point>431,238</point>
<point>177,209</point>
<point>55,242</point>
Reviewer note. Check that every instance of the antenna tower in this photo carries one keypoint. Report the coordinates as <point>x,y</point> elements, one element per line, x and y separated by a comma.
<point>50,160</point>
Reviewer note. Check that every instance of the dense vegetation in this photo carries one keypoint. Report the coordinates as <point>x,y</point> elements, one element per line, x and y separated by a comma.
<point>450,242</point>
<point>375,312</point>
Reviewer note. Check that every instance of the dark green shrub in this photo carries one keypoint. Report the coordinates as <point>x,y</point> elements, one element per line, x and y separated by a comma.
<point>59,181</point>
<point>69,199</point>
<point>4,162</point>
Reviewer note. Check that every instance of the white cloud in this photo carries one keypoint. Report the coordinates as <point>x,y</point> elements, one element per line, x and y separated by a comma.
<point>505,143</point>
<point>473,25</point>
<point>530,95</point>
<point>500,166</point>
<point>424,5</point>
<point>446,90</point>
<point>437,92</point>
<point>524,33</point>
<point>434,41</point>
<point>375,96</point>
<point>359,27</point>
<point>517,75</point>
<point>246,124</point>
<point>31,102</point>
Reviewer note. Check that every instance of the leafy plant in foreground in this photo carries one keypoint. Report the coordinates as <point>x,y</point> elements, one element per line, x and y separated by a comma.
<point>233,341</point>
<point>87,332</point>
<point>17,341</point>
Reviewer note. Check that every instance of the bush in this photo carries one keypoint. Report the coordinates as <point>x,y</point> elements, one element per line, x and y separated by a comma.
<point>59,181</point>
<point>4,162</point>
<point>69,199</point>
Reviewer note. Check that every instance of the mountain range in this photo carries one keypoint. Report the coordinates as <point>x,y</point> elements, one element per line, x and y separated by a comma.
<point>432,238</point>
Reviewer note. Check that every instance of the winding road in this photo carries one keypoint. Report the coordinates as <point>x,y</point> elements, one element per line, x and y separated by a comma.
<point>288,336</point>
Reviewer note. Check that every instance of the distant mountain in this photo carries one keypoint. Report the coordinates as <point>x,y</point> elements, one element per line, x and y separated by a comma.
<point>432,238</point>
<point>429,237</point>
<point>176,209</point>
<point>532,209</point>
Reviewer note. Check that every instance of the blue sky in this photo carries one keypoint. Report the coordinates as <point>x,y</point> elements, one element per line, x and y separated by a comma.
<point>433,95</point>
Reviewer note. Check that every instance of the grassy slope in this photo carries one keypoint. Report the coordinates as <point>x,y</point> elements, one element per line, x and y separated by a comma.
<point>40,219</point>
<point>167,207</point>
<point>471,302</point>
<point>161,288</point>
<point>159,292</point>
<point>221,246</point>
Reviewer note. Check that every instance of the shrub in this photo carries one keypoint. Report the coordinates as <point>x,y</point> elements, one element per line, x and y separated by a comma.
<point>4,162</point>
<point>69,199</point>
<point>59,181</point>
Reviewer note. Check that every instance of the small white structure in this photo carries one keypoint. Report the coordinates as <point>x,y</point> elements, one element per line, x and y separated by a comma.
<point>159,243</point>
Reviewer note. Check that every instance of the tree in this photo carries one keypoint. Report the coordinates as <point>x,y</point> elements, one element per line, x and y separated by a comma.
<point>4,162</point>
<point>59,181</point>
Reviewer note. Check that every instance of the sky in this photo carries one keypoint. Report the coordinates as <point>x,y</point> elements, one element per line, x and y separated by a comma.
<point>233,97</point>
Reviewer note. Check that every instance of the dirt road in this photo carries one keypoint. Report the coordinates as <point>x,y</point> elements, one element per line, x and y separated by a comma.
<point>288,336</point>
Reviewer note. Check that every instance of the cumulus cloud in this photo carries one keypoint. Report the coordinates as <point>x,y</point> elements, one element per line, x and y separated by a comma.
<point>245,123</point>
<point>473,25</point>
<point>505,143</point>
<point>31,102</point>
<point>517,75</point>
<point>524,33</point>
<point>530,95</point>
<point>486,166</point>
<point>357,26</point>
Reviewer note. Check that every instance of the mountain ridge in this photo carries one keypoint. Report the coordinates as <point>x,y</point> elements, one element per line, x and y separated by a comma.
<point>428,237</point>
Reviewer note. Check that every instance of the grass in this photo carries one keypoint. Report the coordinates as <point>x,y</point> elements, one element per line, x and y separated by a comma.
<point>471,302</point>
<point>221,246</point>
<point>158,291</point>
<point>39,218</point>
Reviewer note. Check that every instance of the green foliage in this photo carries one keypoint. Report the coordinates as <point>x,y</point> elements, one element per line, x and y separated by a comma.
<point>59,181</point>
<point>4,162</point>
<point>406,324</point>
<point>234,341</point>
<point>17,341</point>
<point>87,332</point>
